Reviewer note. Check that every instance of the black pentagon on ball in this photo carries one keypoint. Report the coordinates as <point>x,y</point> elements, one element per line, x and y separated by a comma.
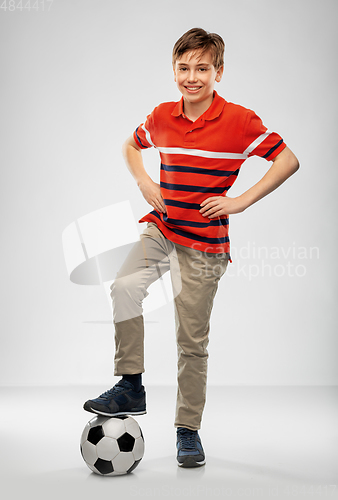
<point>135,464</point>
<point>126,442</point>
<point>95,434</point>
<point>104,466</point>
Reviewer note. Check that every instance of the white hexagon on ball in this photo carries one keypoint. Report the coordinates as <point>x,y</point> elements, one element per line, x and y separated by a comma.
<point>107,448</point>
<point>89,453</point>
<point>138,450</point>
<point>132,427</point>
<point>123,462</point>
<point>113,427</point>
<point>97,420</point>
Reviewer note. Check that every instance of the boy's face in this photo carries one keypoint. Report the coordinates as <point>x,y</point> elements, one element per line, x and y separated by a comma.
<point>195,76</point>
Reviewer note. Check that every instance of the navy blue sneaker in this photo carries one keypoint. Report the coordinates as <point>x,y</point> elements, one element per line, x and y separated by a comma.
<point>122,399</point>
<point>189,448</point>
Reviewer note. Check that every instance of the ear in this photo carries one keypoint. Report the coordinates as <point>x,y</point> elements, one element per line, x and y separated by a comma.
<point>219,74</point>
<point>174,73</point>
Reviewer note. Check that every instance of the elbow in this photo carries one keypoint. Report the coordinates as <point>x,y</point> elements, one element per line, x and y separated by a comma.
<point>288,160</point>
<point>293,162</point>
<point>125,147</point>
<point>295,165</point>
<point>128,145</point>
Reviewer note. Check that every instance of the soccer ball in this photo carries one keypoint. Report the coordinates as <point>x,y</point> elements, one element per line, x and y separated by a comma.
<point>112,446</point>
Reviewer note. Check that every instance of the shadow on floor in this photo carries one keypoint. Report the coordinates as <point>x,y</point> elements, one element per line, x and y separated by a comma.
<point>162,478</point>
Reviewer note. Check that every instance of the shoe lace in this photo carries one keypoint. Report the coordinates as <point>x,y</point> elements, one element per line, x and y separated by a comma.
<point>187,438</point>
<point>112,392</point>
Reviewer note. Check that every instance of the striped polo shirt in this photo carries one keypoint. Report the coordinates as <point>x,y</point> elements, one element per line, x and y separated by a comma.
<point>201,159</point>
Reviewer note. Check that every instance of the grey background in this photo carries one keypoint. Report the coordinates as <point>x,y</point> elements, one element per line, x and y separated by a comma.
<point>76,81</point>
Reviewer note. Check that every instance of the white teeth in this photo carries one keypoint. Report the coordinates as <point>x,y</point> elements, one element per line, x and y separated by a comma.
<point>193,88</point>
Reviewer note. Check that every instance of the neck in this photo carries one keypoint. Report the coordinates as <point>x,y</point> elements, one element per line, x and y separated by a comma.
<point>194,110</point>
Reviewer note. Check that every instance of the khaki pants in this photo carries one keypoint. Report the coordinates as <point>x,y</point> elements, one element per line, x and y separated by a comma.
<point>194,276</point>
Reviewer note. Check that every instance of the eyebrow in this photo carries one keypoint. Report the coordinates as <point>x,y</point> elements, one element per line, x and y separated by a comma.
<point>200,64</point>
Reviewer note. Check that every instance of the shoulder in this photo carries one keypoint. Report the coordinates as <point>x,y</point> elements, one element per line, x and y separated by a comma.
<point>241,118</point>
<point>164,108</point>
<point>167,105</point>
<point>162,115</point>
<point>235,117</point>
<point>237,109</point>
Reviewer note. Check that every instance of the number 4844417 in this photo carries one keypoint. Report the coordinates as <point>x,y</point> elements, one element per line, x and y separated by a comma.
<point>26,5</point>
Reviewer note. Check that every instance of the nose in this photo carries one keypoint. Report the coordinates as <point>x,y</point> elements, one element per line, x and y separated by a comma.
<point>192,76</point>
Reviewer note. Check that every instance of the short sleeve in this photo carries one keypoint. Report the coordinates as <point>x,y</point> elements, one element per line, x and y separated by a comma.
<point>259,141</point>
<point>143,135</point>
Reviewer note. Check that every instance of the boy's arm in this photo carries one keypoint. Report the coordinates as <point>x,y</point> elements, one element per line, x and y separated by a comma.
<point>132,154</point>
<point>284,165</point>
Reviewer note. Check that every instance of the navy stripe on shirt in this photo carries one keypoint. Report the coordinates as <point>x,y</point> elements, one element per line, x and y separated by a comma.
<point>182,204</point>
<point>196,237</point>
<point>189,223</point>
<point>138,137</point>
<point>273,149</point>
<point>193,189</point>
<point>198,170</point>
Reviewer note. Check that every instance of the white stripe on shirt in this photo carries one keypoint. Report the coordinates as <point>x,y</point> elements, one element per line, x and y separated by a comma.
<point>203,153</point>
<point>148,136</point>
<point>256,143</point>
<point>209,154</point>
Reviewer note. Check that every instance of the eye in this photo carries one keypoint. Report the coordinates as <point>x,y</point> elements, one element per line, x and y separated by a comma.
<point>203,69</point>
<point>183,69</point>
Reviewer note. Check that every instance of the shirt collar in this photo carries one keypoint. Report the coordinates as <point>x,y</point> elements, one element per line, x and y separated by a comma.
<point>214,110</point>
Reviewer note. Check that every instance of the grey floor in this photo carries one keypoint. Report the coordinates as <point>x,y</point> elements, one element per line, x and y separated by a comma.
<point>260,442</point>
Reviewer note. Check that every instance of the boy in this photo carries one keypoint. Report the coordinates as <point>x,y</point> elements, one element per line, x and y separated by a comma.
<point>202,141</point>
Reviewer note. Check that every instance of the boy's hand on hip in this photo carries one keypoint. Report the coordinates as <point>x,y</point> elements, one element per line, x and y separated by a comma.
<point>216,206</point>
<point>284,165</point>
<point>152,194</point>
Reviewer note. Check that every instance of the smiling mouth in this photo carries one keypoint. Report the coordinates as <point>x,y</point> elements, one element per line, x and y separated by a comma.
<point>192,89</point>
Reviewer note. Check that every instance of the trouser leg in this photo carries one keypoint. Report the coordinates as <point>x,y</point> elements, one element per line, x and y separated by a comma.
<point>200,274</point>
<point>148,260</point>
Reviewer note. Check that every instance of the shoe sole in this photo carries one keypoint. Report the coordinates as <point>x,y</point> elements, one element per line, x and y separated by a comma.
<point>190,462</point>
<point>117,414</point>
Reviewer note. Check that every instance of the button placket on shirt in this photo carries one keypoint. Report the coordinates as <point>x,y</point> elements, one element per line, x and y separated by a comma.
<point>189,136</point>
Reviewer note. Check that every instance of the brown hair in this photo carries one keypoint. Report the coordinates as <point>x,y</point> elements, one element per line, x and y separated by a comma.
<point>197,39</point>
